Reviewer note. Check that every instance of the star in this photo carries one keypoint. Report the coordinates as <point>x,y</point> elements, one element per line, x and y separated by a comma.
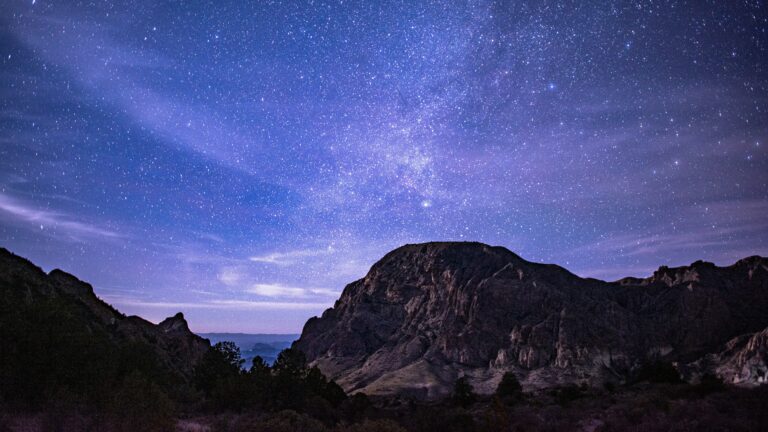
<point>267,130</point>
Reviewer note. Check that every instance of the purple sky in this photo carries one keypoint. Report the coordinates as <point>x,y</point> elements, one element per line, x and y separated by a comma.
<point>242,161</point>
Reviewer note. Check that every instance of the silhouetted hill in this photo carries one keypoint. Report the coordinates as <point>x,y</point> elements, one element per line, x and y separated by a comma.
<point>57,335</point>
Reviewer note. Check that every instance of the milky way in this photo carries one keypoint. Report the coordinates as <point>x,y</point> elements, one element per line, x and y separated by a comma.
<point>243,161</point>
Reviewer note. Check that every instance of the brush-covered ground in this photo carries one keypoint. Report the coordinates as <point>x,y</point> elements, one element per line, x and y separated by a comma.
<point>290,396</point>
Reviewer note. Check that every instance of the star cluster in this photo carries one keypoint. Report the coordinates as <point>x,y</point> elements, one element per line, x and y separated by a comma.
<point>242,161</point>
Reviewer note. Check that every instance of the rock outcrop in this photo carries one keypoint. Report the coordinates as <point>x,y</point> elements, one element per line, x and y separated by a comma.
<point>742,361</point>
<point>426,314</point>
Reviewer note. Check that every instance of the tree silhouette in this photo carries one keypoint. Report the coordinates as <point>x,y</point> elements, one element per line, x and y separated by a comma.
<point>463,393</point>
<point>509,386</point>
<point>221,362</point>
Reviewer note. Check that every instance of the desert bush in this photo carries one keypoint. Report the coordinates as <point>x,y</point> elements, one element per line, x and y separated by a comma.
<point>319,408</point>
<point>463,394</point>
<point>566,394</point>
<point>441,418</point>
<point>497,416</point>
<point>290,421</point>
<point>709,384</point>
<point>509,387</point>
<point>139,404</point>
<point>658,372</point>
<point>355,407</point>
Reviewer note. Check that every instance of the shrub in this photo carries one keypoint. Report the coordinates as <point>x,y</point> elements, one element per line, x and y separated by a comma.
<point>566,394</point>
<point>290,421</point>
<point>355,406</point>
<point>707,385</point>
<point>658,372</point>
<point>509,386</point>
<point>463,393</point>
<point>141,405</point>
<point>443,419</point>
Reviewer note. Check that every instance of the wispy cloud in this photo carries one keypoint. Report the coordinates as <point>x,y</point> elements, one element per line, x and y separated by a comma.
<point>719,224</point>
<point>117,73</point>
<point>630,244</point>
<point>280,290</point>
<point>290,257</point>
<point>53,223</point>
<point>219,304</point>
<point>230,276</point>
<point>242,279</point>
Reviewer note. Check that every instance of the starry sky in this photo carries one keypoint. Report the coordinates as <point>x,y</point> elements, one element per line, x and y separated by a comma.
<point>241,161</point>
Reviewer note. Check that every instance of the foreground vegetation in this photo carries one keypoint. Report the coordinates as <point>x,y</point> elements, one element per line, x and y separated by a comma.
<point>137,394</point>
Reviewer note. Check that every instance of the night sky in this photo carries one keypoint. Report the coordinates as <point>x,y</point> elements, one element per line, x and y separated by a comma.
<point>242,161</point>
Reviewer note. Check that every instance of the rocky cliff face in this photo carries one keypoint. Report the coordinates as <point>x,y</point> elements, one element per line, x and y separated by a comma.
<point>171,340</point>
<point>743,361</point>
<point>428,313</point>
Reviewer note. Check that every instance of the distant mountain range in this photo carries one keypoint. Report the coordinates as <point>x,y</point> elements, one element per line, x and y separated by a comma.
<point>266,346</point>
<point>429,313</point>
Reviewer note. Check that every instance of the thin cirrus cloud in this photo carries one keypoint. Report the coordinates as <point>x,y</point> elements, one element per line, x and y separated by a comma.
<point>720,224</point>
<point>242,280</point>
<point>53,223</point>
<point>219,304</point>
<point>280,290</point>
<point>115,70</point>
<point>290,257</point>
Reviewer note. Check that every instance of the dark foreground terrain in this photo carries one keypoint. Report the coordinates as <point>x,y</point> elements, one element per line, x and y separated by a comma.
<point>70,362</point>
<point>640,407</point>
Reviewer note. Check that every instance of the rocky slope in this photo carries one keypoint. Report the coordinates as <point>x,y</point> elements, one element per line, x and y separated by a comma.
<point>428,313</point>
<point>742,361</point>
<point>25,287</point>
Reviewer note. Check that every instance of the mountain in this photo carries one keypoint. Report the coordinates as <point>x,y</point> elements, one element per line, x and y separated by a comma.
<point>743,360</point>
<point>266,346</point>
<point>57,334</point>
<point>426,314</point>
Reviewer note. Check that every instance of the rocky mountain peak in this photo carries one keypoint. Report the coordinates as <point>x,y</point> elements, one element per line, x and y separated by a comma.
<point>70,284</point>
<point>428,313</point>
<point>176,323</point>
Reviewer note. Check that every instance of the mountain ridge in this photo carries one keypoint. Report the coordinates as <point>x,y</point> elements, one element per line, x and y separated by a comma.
<point>428,313</point>
<point>24,285</point>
